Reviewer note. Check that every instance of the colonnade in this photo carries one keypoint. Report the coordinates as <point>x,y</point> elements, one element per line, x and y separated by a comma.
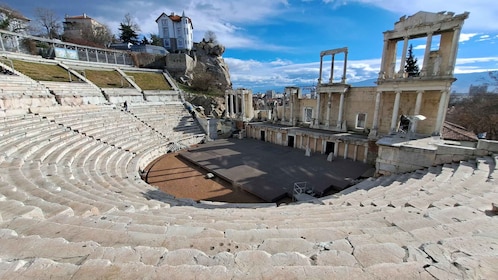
<point>443,100</point>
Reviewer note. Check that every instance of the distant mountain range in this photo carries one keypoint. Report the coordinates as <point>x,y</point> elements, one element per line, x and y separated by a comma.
<point>463,82</point>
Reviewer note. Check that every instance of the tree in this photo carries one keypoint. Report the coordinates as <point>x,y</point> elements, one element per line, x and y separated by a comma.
<point>155,40</point>
<point>129,30</point>
<point>478,113</point>
<point>144,41</point>
<point>96,37</point>
<point>49,22</point>
<point>411,66</point>
<point>210,37</point>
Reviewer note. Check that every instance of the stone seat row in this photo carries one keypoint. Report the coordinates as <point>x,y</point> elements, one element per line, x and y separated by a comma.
<point>86,192</point>
<point>72,88</point>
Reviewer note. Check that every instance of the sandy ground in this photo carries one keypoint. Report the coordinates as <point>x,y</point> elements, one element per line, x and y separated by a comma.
<point>180,178</point>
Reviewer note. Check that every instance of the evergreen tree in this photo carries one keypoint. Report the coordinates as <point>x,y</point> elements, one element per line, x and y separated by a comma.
<point>129,30</point>
<point>411,66</point>
<point>155,40</point>
<point>128,35</point>
<point>145,41</point>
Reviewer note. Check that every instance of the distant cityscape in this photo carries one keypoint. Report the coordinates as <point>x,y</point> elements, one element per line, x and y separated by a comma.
<point>466,85</point>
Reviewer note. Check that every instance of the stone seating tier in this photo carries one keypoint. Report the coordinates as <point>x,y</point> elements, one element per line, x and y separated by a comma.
<point>73,206</point>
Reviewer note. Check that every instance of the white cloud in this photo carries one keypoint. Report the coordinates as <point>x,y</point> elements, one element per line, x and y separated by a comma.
<point>464,37</point>
<point>419,47</point>
<point>482,12</point>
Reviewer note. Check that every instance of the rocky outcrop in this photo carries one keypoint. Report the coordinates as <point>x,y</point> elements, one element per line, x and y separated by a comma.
<point>210,72</point>
<point>213,106</point>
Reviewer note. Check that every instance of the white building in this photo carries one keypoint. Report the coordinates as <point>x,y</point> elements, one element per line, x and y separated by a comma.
<point>176,32</point>
<point>14,20</point>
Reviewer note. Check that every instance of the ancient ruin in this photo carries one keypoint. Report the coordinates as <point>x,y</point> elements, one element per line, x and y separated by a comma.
<point>73,204</point>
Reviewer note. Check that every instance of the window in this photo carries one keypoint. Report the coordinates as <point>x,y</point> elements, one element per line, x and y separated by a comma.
<point>361,119</point>
<point>308,115</point>
<point>166,32</point>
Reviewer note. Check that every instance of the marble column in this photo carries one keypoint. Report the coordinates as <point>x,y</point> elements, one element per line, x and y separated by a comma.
<point>329,104</point>
<point>418,105</point>
<point>320,73</point>
<point>365,154</point>
<point>394,118</point>
<point>454,49</point>
<point>243,105</point>
<point>440,113</point>
<point>403,57</point>
<point>227,108</point>
<point>382,71</point>
<point>343,78</point>
<point>231,105</point>
<point>341,109</point>
<point>375,122</point>
<point>236,107</point>
<point>292,108</point>
<point>317,110</point>
<point>427,54</point>
<point>331,80</point>
<point>283,109</point>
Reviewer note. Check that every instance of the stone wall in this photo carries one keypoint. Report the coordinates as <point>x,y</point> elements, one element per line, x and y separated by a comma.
<point>406,158</point>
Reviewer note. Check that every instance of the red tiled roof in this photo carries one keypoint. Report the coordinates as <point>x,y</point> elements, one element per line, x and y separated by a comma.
<point>456,132</point>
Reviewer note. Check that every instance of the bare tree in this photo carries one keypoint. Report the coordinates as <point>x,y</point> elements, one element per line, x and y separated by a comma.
<point>48,22</point>
<point>128,21</point>
<point>478,113</point>
<point>210,37</point>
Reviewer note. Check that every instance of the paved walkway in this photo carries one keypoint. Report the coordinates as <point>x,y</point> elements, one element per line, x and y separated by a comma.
<point>269,171</point>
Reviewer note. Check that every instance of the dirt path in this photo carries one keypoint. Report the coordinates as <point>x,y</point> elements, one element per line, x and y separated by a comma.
<point>180,178</point>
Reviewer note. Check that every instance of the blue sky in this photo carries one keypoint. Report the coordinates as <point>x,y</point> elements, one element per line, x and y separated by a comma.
<point>273,44</point>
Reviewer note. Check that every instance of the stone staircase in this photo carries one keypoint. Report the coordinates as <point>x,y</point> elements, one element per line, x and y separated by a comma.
<point>19,93</point>
<point>73,206</point>
<point>75,93</point>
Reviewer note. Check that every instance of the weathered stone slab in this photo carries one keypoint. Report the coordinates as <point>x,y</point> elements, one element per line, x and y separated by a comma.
<point>370,254</point>
<point>335,258</point>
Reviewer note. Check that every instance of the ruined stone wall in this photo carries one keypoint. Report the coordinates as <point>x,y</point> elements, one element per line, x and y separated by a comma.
<point>357,100</point>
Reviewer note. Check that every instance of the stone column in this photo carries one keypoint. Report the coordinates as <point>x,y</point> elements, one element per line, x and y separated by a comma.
<point>394,118</point>
<point>440,113</point>
<point>355,152</point>
<point>236,107</point>
<point>329,104</point>
<point>454,49</point>
<point>418,105</point>
<point>427,54</point>
<point>283,109</point>
<point>375,121</point>
<point>292,108</point>
<point>365,154</point>
<point>226,105</point>
<point>317,110</point>
<point>231,105</point>
<point>403,56</point>
<point>243,105</point>
<point>341,109</point>
<point>346,148</point>
<point>331,80</point>
<point>320,75</point>
<point>336,149</point>
<point>382,71</point>
<point>343,78</point>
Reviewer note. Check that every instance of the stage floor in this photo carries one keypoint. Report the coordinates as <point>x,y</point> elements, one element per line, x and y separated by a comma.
<point>269,171</point>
